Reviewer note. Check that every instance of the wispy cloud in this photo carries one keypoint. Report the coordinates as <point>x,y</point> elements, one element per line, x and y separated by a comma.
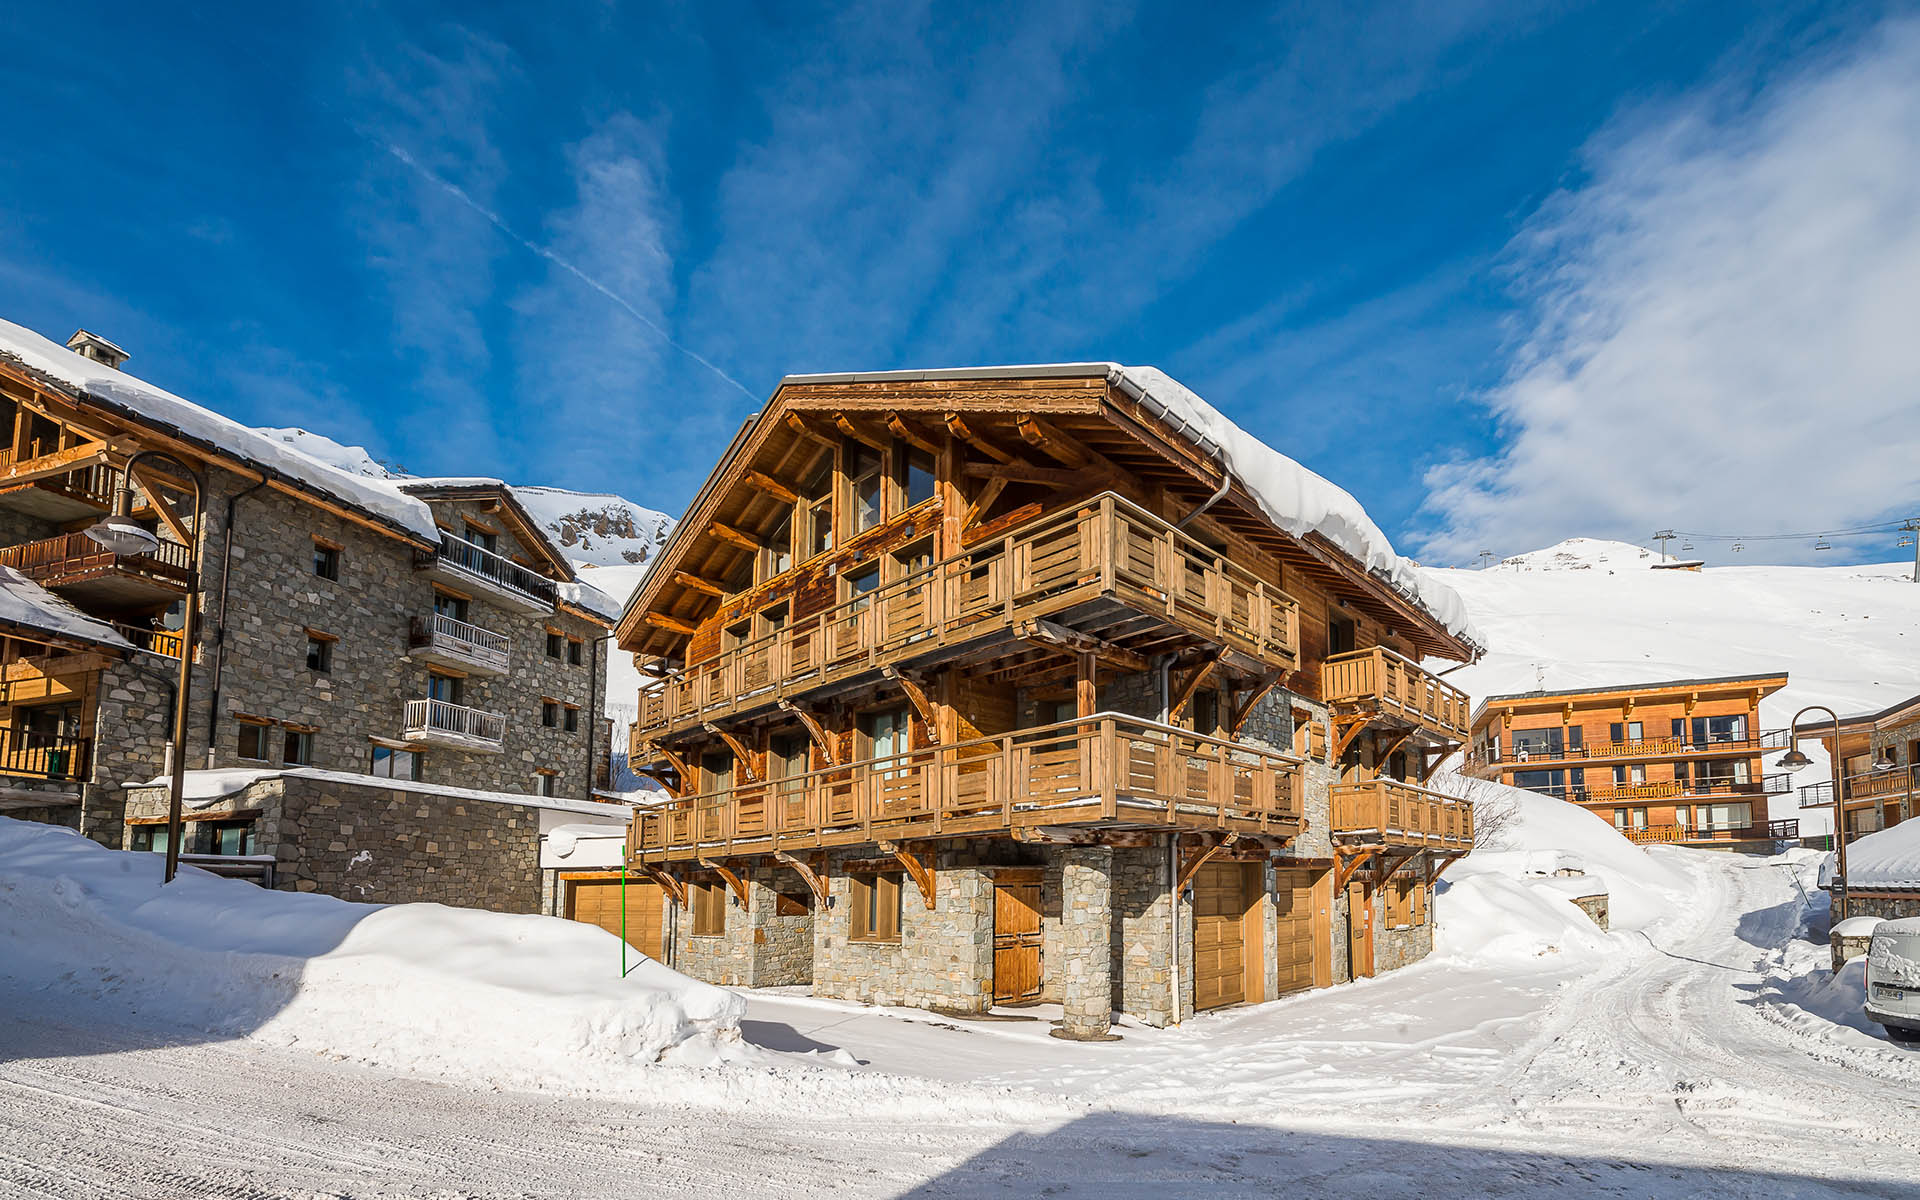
<point>1719,321</point>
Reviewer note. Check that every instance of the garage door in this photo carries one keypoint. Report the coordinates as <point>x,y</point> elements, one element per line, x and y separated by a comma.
<point>1221,898</point>
<point>597,902</point>
<point>1296,906</point>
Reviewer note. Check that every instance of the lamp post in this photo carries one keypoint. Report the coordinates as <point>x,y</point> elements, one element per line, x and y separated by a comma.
<point>1793,760</point>
<point>120,534</point>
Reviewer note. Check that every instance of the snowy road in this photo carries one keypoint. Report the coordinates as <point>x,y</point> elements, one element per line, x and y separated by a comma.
<point>1655,1075</point>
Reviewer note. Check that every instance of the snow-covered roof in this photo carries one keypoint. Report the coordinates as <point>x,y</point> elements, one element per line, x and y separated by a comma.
<point>1887,859</point>
<point>1292,497</point>
<point>588,598</point>
<point>129,396</point>
<point>203,788</point>
<point>27,606</point>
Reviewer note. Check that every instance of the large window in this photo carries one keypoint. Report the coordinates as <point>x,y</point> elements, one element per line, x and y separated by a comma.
<point>1627,731</point>
<point>875,915</point>
<point>815,511</point>
<point>1552,742</point>
<point>1568,785</point>
<point>788,755</point>
<point>1719,817</point>
<point>864,476</point>
<point>390,763</point>
<point>917,484</point>
<point>484,538</point>
<point>1708,730</point>
<point>776,553</point>
<point>709,908</point>
<point>448,688</point>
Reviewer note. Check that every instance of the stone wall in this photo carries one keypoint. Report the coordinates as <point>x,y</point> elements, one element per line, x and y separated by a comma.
<point>133,721</point>
<point>1882,904</point>
<point>758,947</point>
<point>1396,948</point>
<point>1597,908</point>
<point>381,845</point>
<point>944,958</point>
<point>1143,936</point>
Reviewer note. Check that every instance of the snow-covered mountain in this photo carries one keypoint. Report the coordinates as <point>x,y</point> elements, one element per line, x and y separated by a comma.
<point>1586,613</point>
<point>593,529</point>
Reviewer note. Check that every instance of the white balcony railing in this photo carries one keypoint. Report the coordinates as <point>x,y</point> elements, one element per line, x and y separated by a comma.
<point>447,637</point>
<point>440,720</point>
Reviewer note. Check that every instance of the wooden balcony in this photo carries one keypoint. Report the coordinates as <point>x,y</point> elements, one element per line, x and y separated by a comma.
<point>1392,688</point>
<point>28,755</point>
<point>168,643</point>
<point>1390,813</point>
<point>1108,772</point>
<point>462,564</point>
<point>1095,568</point>
<point>440,723</point>
<point>1485,761</point>
<point>1707,835</point>
<point>89,574</point>
<point>68,496</point>
<point>1898,783</point>
<point>438,638</point>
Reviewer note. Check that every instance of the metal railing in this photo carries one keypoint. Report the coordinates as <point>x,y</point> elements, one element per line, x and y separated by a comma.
<point>441,716</point>
<point>51,561</point>
<point>42,755</point>
<point>1868,785</point>
<point>167,642</point>
<point>1402,813</point>
<point>497,569</point>
<point>1100,768</point>
<point>1397,683</point>
<point>1106,545</point>
<point>1663,747</point>
<point>442,632</point>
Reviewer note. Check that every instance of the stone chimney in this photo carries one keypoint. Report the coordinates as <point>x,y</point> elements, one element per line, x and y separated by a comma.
<point>97,348</point>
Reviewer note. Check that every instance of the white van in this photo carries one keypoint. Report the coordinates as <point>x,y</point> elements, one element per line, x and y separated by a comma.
<point>1893,976</point>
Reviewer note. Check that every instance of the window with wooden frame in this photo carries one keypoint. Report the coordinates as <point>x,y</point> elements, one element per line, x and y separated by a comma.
<point>866,487</point>
<point>709,901</point>
<point>576,652</point>
<point>326,559</point>
<point>856,586</point>
<point>769,621</point>
<point>789,756</point>
<point>875,908</point>
<point>556,643</point>
<point>909,559</point>
<point>916,477</point>
<point>449,604</point>
<point>1400,902</point>
<point>320,651</point>
<point>446,688</point>
<point>776,553</point>
<point>1203,712</point>
<point>1341,633</point>
<point>298,747</point>
<point>546,782</point>
<point>570,717</point>
<point>253,740</point>
<point>394,762</point>
<point>813,514</point>
<point>549,713</point>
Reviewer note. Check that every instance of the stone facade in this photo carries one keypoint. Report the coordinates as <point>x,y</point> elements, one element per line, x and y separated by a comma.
<point>382,845</point>
<point>944,958</point>
<point>1597,909</point>
<point>760,946</point>
<point>1085,966</point>
<point>1143,917</point>
<point>1883,904</point>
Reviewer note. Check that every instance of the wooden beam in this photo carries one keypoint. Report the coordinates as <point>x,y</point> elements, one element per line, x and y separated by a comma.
<point>1350,861</point>
<point>1350,728</point>
<point>809,873</point>
<point>734,881</point>
<point>680,768</point>
<point>821,737</point>
<point>1435,867</point>
<point>910,435</point>
<point>670,624</point>
<point>921,873</point>
<point>1054,477</point>
<point>687,580</point>
<point>1199,859</point>
<point>1055,636</point>
<point>805,429</point>
<point>1187,689</point>
<point>158,500</point>
<point>917,693</point>
<point>1250,697</point>
<point>1430,760</point>
<point>858,432</point>
<point>1061,446</point>
<point>673,887</point>
<point>666,777</point>
<point>742,756</point>
<point>958,428</point>
<point>728,533</point>
<point>989,492</point>
<point>760,481</point>
<point>60,462</point>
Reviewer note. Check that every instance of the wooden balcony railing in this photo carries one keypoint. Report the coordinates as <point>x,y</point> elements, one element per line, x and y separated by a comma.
<point>458,640</point>
<point>1665,747</point>
<point>428,718</point>
<point>51,562</point>
<point>1108,769</point>
<point>481,563</point>
<point>1868,785</point>
<point>166,642</point>
<point>94,485</point>
<point>1664,789</point>
<point>1395,813</point>
<point>1397,685</point>
<point>1105,546</point>
<point>42,755</point>
<point>1650,835</point>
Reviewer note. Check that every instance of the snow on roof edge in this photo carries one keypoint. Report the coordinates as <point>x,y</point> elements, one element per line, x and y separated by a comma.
<point>26,604</point>
<point>116,389</point>
<point>219,783</point>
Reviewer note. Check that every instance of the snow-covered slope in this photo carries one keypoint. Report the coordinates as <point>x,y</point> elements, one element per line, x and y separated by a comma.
<point>514,1000</point>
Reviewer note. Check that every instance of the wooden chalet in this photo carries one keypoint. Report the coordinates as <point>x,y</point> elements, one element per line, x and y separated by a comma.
<point>1879,758</point>
<point>960,678</point>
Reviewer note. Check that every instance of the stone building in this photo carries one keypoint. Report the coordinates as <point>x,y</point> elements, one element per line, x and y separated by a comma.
<point>1879,767</point>
<point>410,631</point>
<point>1035,685</point>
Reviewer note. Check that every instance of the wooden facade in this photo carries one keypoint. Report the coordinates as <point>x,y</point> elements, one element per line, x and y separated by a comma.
<point>1878,755</point>
<point>930,615</point>
<point>1684,761</point>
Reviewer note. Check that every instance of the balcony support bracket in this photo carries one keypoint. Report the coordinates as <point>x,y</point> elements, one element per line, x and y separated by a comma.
<point>1051,635</point>
<point>1350,728</point>
<point>680,768</point>
<point>674,889</point>
<point>1201,858</point>
<point>809,873</point>
<point>915,866</point>
<point>1430,760</point>
<point>916,691</point>
<point>1350,860</point>
<point>1436,866</point>
<point>742,755</point>
<point>821,737</point>
<point>664,776</point>
<point>738,885</point>
<point>1189,687</point>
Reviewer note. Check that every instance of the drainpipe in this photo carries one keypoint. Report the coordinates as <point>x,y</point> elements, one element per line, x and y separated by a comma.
<point>220,622</point>
<point>1226,482</point>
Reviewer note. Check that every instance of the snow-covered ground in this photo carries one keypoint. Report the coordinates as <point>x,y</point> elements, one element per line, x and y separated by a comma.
<point>1678,1055</point>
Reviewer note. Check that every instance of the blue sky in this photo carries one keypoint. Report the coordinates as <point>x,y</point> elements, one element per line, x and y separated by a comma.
<point>576,244</point>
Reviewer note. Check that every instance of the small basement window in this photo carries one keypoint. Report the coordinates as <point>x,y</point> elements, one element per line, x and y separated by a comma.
<point>876,908</point>
<point>709,902</point>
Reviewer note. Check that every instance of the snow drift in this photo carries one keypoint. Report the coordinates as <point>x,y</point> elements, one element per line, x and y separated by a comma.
<point>1887,859</point>
<point>512,1000</point>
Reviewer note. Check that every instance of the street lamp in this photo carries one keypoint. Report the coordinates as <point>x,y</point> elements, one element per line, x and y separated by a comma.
<point>119,534</point>
<point>1793,760</point>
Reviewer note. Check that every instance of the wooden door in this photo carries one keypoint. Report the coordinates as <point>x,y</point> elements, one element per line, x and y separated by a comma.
<point>1221,898</point>
<point>597,902</point>
<point>1016,937</point>
<point>1300,924</point>
<point>1359,931</point>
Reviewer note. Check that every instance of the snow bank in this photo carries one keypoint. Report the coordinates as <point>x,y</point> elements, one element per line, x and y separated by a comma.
<point>1887,859</point>
<point>1298,500</point>
<point>140,399</point>
<point>512,1000</point>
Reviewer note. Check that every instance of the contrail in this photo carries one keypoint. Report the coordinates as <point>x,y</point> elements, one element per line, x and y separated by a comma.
<point>460,194</point>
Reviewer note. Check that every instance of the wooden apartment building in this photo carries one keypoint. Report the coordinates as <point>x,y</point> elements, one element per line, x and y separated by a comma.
<point>1011,685</point>
<point>1681,761</point>
<point>1879,756</point>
